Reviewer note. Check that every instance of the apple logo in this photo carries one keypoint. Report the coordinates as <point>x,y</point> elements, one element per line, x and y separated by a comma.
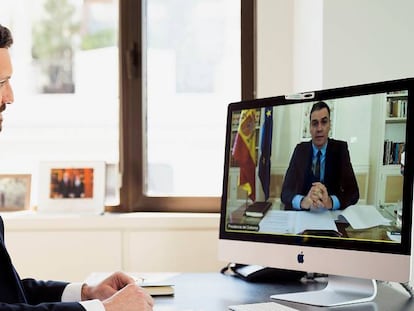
<point>301,257</point>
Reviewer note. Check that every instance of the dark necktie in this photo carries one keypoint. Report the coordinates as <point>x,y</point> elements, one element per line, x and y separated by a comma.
<point>318,166</point>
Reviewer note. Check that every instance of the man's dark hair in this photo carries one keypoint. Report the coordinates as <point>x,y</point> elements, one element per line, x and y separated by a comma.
<point>6,39</point>
<point>319,106</point>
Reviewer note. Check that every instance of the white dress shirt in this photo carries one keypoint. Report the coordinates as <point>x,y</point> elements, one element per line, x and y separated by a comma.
<point>72,292</point>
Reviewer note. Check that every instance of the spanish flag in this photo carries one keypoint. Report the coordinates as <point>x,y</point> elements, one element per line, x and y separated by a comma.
<point>244,151</point>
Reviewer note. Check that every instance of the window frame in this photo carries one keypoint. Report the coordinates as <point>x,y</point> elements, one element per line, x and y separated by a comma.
<point>132,152</point>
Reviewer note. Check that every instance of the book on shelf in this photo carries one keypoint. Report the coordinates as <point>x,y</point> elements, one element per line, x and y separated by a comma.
<point>257,209</point>
<point>397,108</point>
<point>392,152</point>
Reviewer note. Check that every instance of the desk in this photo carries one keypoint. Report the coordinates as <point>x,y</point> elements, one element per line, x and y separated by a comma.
<point>237,217</point>
<point>215,291</point>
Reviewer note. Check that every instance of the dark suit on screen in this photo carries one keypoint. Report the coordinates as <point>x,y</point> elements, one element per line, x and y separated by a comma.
<point>339,176</point>
<point>28,294</point>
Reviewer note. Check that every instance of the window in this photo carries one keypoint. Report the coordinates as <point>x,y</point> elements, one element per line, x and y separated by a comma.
<point>183,68</point>
<point>140,84</point>
<point>66,84</point>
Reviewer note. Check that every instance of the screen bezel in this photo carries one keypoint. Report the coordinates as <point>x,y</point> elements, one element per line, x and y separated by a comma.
<point>403,248</point>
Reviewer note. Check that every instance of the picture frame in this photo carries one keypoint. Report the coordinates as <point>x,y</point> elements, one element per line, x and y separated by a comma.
<point>15,192</point>
<point>72,187</point>
<point>305,134</point>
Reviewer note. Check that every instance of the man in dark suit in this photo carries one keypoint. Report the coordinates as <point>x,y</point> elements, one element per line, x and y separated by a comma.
<point>65,186</point>
<point>320,173</point>
<point>119,292</point>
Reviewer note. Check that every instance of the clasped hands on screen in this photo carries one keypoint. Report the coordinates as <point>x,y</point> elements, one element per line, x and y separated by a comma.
<point>317,197</point>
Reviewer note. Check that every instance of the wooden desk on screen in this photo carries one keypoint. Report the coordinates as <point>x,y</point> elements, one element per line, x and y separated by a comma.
<point>375,233</point>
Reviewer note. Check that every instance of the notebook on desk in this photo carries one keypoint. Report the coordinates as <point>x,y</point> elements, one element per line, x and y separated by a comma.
<point>257,209</point>
<point>157,289</point>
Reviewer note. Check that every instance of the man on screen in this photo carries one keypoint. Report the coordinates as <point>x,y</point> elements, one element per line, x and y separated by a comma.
<point>118,292</point>
<point>320,173</point>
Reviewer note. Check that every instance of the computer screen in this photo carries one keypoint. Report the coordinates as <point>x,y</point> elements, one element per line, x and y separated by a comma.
<point>322,182</point>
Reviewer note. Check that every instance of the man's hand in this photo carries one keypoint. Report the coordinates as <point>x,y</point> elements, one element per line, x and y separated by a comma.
<point>320,196</point>
<point>107,287</point>
<point>317,197</point>
<point>130,298</point>
<point>307,202</point>
<point>119,292</point>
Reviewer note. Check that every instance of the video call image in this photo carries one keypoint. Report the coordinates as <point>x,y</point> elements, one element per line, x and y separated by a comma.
<point>331,168</point>
<point>71,183</point>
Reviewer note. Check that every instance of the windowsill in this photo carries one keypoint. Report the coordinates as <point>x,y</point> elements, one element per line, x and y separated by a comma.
<point>31,220</point>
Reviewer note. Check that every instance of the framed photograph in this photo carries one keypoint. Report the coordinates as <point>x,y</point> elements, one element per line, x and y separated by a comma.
<point>72,187</point>
<point>14,192</point>
<point>305,131</point>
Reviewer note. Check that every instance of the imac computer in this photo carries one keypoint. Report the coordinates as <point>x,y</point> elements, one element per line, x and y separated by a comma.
<point>322,182</point>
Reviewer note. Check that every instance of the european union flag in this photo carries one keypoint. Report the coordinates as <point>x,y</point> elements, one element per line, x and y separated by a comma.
<point>266,151</point>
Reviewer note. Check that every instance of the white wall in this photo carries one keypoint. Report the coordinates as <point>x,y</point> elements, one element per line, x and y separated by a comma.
<point>70,247</point>
<point>306,45</point>
<point>367,41</point>
<point>274,52</point>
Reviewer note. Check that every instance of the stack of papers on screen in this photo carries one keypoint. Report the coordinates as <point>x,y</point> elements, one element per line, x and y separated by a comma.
<point>316,220</point>
<point>295,222</point>
<point>278,222</point>
<point>363,216</point>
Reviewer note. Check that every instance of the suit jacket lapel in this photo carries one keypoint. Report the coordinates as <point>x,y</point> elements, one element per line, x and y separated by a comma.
<point>11,288</point>
<point>331,153</point>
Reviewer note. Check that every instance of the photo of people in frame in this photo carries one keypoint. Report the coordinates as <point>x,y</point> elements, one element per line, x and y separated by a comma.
<point>14,192</point>
<point>71,183</point>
